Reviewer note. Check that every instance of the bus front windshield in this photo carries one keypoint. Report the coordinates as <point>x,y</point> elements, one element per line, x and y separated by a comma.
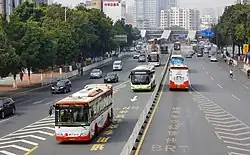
<point>177,60</point>
<point>71,116</point>
<point>140,78</point>
<point>153,58</point>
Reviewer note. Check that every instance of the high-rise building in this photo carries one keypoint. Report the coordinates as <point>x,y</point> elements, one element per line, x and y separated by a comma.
<point>130,15</point>
<point>206,21</point>
<point>243,1</point>
<point>173,3</point>
<point>114,9</point>
<point>186,18</point>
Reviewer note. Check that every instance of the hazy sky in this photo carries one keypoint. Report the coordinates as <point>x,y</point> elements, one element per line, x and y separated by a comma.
<point>182,3</point>
<point>205,3</point>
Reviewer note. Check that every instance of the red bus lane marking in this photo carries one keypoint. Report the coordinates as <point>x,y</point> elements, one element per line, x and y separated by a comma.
<point>109,131</point>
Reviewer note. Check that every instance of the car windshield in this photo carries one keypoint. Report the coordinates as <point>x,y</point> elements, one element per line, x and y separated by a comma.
<point>117,63</point>
<point>111,74</point>
<point>153,58</point>
<point>71,115</point>
<point>142,57</point>
<point>140,78</point>
<point>95,71</point>
<point>60,83</point>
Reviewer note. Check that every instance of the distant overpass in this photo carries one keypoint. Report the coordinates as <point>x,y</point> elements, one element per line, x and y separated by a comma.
<point>170,34</point>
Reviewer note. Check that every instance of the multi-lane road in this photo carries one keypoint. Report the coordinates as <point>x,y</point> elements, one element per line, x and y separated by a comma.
<point>31,131</point>
<point>211,118</point>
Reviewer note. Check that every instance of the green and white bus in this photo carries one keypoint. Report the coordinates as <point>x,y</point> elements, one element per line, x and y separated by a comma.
<point>143,78</point>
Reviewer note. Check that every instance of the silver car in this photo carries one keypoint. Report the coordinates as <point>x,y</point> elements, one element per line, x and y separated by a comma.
<point>213,59</point>
<point>95,74</point>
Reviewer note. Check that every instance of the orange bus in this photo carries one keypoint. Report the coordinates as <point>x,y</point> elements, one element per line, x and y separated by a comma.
<point>82,115</point>
<point>178,77</point>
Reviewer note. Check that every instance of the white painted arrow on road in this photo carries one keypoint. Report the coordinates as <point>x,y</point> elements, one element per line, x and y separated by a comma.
<point>133,99</point>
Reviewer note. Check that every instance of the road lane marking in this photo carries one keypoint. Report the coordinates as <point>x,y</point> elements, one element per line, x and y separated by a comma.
<point>245,86</point>
<point>37,102</point>
<point>31,150</point>
<point>235,153</point>
<point>211,78</point>
<point>15,146</point>
<point>235,97</point>
<point>26,101</point>
<point>21,140</point>
<point>6,152</point>
<point>150,119</point>
<point>236,148</point>
<point>219,85</point>
<point>2,121</point>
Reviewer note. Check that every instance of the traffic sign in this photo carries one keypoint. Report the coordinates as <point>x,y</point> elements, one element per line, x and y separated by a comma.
<point>245,48</point>
<point>121,38</point>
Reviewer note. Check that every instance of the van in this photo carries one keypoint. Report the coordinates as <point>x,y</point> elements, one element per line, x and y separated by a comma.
<point>117,65</point>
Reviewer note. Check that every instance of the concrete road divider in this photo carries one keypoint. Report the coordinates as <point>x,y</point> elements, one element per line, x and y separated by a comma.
<point>137,131</point>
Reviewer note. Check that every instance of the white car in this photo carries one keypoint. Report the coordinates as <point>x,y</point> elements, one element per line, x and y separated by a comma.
<point>95,74</point>
<point>213,59</point>
<point>136,56</point>
<point>117,65</point>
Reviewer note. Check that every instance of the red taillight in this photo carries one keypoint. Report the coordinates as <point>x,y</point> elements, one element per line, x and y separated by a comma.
<point>65,134</point>
<point>186,83</point>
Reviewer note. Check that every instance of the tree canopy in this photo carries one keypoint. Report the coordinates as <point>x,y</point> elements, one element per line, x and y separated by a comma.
<point>39,37</point>
<point>233,27</point>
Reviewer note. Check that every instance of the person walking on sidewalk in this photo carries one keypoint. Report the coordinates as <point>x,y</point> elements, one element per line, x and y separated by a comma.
<point>21,75</point>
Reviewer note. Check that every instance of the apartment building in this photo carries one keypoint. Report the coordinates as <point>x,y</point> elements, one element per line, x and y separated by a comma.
<point>114,9</point>
<point>186,18</point>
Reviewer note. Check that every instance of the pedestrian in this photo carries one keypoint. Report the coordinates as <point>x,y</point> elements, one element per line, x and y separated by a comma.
<point>50,111</point>
<point>21,75</point>
<point>248,73</point>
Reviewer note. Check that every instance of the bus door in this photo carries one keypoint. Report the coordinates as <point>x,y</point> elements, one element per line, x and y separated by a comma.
<point>178,78</point>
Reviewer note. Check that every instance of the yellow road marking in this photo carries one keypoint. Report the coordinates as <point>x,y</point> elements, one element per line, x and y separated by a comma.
<point>150,119</point>
<point>30,151</point>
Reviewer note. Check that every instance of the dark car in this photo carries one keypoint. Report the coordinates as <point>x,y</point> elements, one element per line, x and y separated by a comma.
<point>7,107</point>
<point>111,77</point>
<point>142,58</point>
<point>61,86</point>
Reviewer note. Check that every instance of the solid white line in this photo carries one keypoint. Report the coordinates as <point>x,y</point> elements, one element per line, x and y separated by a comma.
<point>235,97</point>
<point>245,86</point>
<point>37,102</point>
<point>22,140</point>
<point>31,129</point>
<point>219,85</point>
<point>235,153</point>
<point>25,136</point>
<point>51,102</point>
<point>15,146</point>
<point>211,78</point>
<point>20,103</point>
<point>2,121</point>
<point>6,152</point>
<point>236,148</point>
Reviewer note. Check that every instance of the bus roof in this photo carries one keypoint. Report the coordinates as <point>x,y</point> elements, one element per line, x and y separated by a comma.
<point>86,95</point>
<point>177,56</point>
<point>144,67</point>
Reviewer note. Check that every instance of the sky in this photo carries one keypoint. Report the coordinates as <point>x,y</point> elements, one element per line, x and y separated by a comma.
<point>199,4</point>
<point>205,3</point>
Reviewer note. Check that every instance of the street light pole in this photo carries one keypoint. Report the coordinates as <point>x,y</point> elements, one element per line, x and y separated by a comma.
<point>65,14</point>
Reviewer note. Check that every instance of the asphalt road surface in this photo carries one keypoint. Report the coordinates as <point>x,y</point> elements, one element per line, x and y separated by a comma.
<point>211,118</point>
<point>32,131</point>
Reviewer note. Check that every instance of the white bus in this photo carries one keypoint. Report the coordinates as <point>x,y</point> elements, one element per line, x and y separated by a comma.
<point>81,116</point>
<point>143,78</point>
<point>154,59</point>
<point>178,77</point>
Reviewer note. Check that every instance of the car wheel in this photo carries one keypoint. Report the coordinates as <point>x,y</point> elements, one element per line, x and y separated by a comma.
<point>2,114</point>
<point>70,89</point>
<point>13,111</point>
<point>65,91</point>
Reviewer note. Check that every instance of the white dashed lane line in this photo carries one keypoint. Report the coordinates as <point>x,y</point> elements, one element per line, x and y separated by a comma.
<point>245,86</point>
<point>235,97</point>
<point>219,85</point>
<point>211,78</point>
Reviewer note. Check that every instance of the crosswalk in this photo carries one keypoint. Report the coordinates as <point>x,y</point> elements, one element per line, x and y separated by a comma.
<point>233,132</point>
<point>25,139</point>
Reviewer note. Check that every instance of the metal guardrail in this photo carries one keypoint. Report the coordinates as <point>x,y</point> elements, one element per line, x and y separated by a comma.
<point>137,129</point>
